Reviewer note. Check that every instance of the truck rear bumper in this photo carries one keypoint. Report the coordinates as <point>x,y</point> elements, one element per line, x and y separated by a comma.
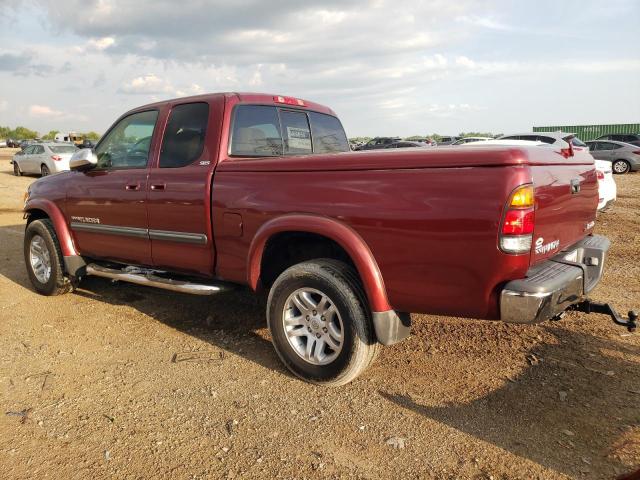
<point>554,285</point>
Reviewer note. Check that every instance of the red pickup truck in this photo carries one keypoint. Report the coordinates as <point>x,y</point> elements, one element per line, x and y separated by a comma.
<point>198,194</point>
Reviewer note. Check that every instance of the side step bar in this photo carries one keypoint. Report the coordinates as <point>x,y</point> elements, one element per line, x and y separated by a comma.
<point>147,278</point>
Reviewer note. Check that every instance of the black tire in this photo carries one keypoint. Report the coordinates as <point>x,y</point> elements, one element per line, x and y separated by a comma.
<point>57,283</point>
<point>44,171</point>
<point>16,169</point>
<point>620,167</point>
<point>340,283</point>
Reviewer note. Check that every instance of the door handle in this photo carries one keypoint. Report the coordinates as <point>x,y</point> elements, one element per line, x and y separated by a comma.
<point>158,186</point>
<point>132,186</point>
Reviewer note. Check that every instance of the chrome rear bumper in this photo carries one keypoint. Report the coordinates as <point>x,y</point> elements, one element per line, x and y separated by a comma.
<point>554,285</point>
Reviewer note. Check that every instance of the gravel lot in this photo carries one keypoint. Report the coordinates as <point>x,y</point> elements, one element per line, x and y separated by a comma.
<point>122,381</point>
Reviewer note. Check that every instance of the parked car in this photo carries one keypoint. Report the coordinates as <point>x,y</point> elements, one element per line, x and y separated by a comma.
<point>465,140</point>
<point>624,157</point>
<point>262,190</point>
<point>551,138</point>
<point>447,140</point>
<point>25,143</point>
<point>407,144</point>
<point>632,138</point>
<point>3,144</point>
<point>11,143</point>
<point>607,189</point>
<point>379,142</point>
<point>43,158</point>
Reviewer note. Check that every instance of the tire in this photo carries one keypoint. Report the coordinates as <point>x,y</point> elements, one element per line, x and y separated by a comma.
<point>16,169</point>
<point>347,314</point>
<point>620,167</point>
<point>40,244</point>
<point>44,171</point>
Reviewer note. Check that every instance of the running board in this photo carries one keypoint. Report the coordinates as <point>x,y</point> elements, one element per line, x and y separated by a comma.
<point>149,279</point>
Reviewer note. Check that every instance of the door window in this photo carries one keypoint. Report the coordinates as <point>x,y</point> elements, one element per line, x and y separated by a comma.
<point>184,136</point>
<point>606,146</point>
<point>28,150</point>
<point>127,144</point>
<point>38,149</point>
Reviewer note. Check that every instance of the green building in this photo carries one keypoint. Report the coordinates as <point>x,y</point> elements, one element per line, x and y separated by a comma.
<point>589,132</point>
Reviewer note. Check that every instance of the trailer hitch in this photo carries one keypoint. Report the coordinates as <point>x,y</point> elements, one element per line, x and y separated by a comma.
<point>589,306</point>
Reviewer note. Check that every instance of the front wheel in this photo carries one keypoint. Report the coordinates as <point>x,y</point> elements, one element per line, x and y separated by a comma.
<point>620,166</point>
<point>16,169</point>
<point>320,322</point>
<point>43,259</point>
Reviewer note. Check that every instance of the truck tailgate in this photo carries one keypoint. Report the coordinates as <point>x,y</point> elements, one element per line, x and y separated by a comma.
<point>567,198</point>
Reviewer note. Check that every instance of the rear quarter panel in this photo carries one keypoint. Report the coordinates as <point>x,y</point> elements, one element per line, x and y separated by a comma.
<point>432,231</point>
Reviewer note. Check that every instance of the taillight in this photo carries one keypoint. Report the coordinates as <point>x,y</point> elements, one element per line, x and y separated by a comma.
<point>516,231</point>
<point>637,152</point>
<point>600,175</point>
<point>56,157</point>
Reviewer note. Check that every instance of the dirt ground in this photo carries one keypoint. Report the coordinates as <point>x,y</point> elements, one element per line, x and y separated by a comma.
<point>120,381</point>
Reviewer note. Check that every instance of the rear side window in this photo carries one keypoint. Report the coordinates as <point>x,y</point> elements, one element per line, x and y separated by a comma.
<point>328,134</point>
<point>256,132</point>
<point>184,136</point>
<point>295,132</point>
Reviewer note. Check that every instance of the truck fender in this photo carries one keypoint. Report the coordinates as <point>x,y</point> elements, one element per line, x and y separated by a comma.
<point>59,224</point>
<point>340,233</point>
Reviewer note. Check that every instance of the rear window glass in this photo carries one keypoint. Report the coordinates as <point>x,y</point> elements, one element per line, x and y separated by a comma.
<point>184,136</point>
<point>295,132</point>
<point>63,149</point>
<point>256,132</point>
<point>328,134</point>
<point>575,141</point>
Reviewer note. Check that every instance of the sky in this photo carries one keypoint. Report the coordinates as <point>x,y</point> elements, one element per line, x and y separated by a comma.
<point>385,67</point>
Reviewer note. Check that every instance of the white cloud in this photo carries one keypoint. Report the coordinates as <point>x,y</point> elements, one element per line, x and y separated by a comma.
<point>4,105</point>
<point>43,111</point>
<point>149,84</point>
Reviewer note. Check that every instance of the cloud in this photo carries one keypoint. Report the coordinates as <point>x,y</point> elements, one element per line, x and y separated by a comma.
<point>4,105</point>
<point>43,111</point>
<point>23,64</point>
<point>152,84</point>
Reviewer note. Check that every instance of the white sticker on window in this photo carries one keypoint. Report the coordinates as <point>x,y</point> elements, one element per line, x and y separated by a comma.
<point>299,138</point>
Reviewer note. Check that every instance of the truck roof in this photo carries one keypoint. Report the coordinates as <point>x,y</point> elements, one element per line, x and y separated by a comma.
<point>242,97</point>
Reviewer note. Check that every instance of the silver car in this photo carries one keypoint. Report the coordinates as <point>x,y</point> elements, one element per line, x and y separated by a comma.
<point>551,138</point>
<point>624,157</point>
<point>43,158</point>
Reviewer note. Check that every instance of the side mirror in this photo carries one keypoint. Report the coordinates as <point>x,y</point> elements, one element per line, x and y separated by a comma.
<point>83,159</point>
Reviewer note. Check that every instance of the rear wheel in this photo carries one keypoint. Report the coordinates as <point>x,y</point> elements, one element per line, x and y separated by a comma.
<point>43,259</point>
<point>44,171</point>
<point>320,323</point>
<point>16,169</point>
<point>620,166</point>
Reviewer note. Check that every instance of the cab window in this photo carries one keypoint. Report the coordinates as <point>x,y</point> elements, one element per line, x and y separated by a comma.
<point>127,144</point>
<point>256,132</point>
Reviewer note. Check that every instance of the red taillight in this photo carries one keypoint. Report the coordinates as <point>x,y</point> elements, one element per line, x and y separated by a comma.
<point>600,175</point>
<point>637,152</point>
<point>518,222</point>
<point>516,232</point>
<point>289,101</point>
<point>56,157</point>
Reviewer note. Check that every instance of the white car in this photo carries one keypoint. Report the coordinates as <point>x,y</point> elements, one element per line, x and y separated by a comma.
<point>607,188</point>
<point>43,158</point>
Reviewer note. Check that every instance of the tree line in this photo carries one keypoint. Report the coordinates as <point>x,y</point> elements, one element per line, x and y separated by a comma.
<point>24,133</point>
